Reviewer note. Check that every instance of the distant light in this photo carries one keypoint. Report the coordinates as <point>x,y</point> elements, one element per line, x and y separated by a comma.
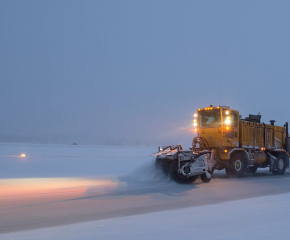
<point>195,129</point>
<point>23,155</point>
<point>194,120</point>
<point>195,115</point>
<point>227,112</point>
<point>226,151</point>
<point>228,121</point>
<point>227,128</point>
<point>195,124</point>
<point>198,109</point>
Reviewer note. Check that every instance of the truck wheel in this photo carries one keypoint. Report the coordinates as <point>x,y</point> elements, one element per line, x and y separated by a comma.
<point>252,170</point>
<point>179,178</point>
<point>237,166</point>
<point>282,159</point>
<point>204,178</point>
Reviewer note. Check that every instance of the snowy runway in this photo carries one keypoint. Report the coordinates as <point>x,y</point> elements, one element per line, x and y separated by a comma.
<point>116,193</point>
<point>256,218</point>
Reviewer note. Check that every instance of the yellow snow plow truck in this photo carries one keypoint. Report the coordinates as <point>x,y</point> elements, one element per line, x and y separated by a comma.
<point>225,141</point>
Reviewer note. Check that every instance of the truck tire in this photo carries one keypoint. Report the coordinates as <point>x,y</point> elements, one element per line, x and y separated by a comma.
<point>252,170</point>
<point>236,166</point>
<point>282,159</point>
<point>204,178</point>
<point>179,178</point>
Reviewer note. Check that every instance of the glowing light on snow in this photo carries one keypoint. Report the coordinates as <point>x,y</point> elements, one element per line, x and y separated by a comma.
<point>76,187</point>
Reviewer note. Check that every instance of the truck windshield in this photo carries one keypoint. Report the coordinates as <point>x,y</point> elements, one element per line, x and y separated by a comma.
<point>210,118</point>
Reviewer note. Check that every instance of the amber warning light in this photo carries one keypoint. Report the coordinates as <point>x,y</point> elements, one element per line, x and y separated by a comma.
<point>195,122</point>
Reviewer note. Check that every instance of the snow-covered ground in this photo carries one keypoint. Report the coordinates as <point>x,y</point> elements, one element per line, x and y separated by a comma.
<point>73,166</point>
<point>256,218</point>
<point>44,160</point>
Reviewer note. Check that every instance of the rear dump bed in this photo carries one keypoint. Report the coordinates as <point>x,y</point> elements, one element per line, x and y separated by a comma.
<point>260,135</point>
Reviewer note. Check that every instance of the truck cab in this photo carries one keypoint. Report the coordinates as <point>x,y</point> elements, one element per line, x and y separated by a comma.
<point>220,127</point>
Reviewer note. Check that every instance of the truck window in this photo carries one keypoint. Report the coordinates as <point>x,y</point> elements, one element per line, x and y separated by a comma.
<point>210,118</point>
<point>230,119</point>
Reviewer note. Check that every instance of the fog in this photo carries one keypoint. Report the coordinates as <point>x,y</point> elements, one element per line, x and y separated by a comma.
<point>134,72</point>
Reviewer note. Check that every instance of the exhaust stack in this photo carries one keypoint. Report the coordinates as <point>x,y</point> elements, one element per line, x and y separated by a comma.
<point>287,139</point>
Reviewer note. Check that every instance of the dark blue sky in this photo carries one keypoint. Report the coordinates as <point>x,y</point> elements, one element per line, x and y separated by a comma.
<point>135,71</point>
